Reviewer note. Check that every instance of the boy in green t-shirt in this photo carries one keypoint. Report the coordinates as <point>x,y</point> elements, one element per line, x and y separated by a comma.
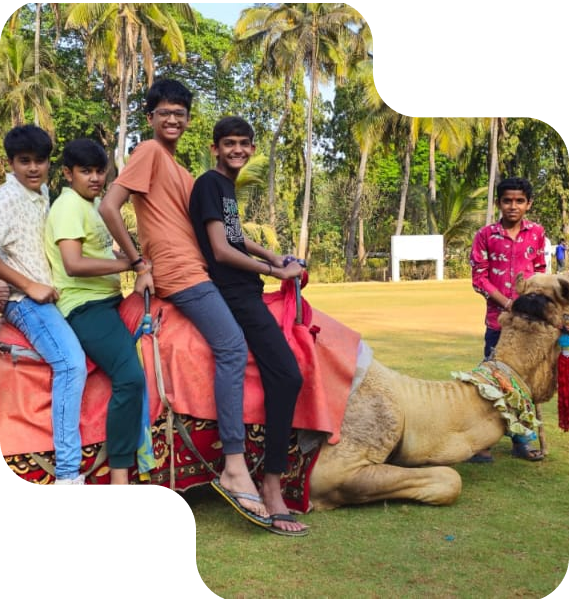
<point>86,273</point>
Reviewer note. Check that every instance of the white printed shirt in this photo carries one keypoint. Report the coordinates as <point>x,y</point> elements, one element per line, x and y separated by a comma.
<point>23,213</point>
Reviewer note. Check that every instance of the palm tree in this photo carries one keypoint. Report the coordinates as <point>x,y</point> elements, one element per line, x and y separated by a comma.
<point>116,35</point>
<point>410,127</point>
<point>460,211</point>
<point>280,61</point>
<point>450,135</point>
<point>251,178</point>
<point>406,129</point>
<point>322,35</point>
<point>368,132</point>
<point>497,130</point>
<point>13,25</point>
<point>21,88</point>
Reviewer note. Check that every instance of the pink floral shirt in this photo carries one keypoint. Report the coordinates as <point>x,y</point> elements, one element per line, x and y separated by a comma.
<point>497,259</point>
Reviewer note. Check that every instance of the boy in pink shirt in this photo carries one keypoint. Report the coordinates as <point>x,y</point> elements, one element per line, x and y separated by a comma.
<point>500,252</point>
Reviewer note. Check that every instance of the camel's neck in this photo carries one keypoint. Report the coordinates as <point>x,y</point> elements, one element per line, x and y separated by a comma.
<point>531,356</point>
<point>509,394</point>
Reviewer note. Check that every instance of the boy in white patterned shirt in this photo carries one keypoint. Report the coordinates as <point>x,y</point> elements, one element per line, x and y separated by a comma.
<point>24,205</point>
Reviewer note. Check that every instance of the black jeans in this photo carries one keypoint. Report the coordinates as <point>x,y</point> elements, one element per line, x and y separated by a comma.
<point>279,371</point>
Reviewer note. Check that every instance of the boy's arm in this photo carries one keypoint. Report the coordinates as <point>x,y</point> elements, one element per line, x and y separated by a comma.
<point>480,266</point>
<point>225,253</point>
<point>539,264</point>
<point>481,275</point>
<point>76,264</point>
<point>266,254</point>
<point>40,293</point>
<point>110,210</point>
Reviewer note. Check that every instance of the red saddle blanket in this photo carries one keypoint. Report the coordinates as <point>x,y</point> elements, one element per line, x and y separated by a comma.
<point>325,349</point>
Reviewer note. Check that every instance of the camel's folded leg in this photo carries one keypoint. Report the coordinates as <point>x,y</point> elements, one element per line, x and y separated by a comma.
<point>437,485</point>
<point>541,430</point>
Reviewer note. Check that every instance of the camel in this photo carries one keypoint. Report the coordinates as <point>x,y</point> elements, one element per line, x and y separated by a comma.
<point>400,436</point>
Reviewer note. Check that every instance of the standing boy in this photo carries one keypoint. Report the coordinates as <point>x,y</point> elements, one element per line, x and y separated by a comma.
<point>86,274</point>
<point>500,252</point>
<point>215,215</point>
<point>560,254</point>
<point>24,206</point>
<point>160,190</point>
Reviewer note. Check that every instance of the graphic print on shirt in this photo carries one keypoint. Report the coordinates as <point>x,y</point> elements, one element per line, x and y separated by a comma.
<point>233,231</point>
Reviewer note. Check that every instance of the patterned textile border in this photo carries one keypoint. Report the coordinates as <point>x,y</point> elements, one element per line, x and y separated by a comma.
<point>190,470</point>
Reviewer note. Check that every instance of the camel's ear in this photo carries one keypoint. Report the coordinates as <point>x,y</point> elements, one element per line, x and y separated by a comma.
<point>564,285</point>
<point>520,284</point>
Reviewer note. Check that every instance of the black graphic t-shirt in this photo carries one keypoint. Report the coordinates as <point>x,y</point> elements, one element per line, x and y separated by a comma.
<point>213,198</point>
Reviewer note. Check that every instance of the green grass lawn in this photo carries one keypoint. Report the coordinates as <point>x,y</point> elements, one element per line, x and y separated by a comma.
<point>506,537</point>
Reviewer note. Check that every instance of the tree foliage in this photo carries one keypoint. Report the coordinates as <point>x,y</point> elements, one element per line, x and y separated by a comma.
<point>370,172</point>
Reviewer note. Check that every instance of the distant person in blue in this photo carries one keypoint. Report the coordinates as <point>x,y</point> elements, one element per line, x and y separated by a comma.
<point>560,255</point>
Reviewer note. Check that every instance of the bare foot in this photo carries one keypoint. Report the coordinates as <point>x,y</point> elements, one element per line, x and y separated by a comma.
<point>236,479</point>
<point>274,502</point>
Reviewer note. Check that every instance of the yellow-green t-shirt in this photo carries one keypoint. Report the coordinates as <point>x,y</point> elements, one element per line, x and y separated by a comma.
<point>73,218</point>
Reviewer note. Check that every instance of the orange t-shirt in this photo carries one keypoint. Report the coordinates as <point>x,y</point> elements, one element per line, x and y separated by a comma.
<point>161,191</point>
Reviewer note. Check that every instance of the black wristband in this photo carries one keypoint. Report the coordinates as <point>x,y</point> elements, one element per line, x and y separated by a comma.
<point>137,261</point>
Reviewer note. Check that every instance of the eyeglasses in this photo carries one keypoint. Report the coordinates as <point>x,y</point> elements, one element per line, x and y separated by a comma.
<point>165,113</point>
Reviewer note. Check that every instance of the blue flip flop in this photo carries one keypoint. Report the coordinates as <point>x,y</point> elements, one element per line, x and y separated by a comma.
<point>233,498</point>
<point>480,459</point>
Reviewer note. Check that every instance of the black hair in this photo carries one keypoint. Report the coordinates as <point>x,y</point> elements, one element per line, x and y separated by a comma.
<point>84,152</point>
<point>515,184</point>
<point>228,126</point>
<point>169,90</point>
<point>28,139</point>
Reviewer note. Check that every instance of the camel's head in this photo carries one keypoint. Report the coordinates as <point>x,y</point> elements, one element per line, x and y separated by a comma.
<point>556,287</point>
<point>529,342</point>
<point>544,297</point>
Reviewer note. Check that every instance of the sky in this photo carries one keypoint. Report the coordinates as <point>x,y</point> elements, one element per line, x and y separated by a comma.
<point>225,12</point>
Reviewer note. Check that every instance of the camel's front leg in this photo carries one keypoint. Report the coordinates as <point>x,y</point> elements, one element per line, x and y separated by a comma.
<point>437,485</point>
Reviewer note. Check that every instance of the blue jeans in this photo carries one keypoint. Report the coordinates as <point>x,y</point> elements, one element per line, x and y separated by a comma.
<point>204,306</point>
<point>491,338</point>
<point>51,336</point>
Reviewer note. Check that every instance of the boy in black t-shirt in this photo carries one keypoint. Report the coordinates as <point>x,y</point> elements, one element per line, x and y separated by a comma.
<point>233,267</point>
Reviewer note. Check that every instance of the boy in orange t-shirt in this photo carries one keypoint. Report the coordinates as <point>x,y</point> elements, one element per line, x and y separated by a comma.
<point>177,271</point>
